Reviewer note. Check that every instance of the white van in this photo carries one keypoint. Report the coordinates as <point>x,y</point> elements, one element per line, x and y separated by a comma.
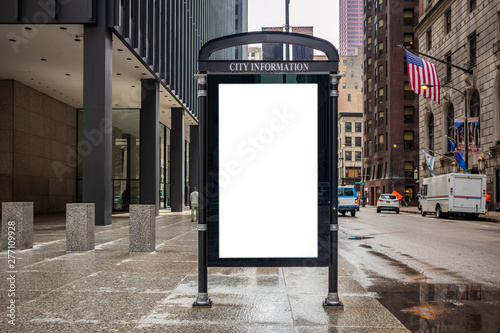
<point>347,200</point>
<point>454,194</point>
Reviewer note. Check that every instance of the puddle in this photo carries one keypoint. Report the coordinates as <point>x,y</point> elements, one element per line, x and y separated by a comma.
<point>359,237</point>
<point>425,307</point>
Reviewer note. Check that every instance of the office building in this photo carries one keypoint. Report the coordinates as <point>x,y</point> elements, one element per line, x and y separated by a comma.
<point>351,25</point>
<point>350,126</point>
<point>99,101</point>
<point>390,108</point>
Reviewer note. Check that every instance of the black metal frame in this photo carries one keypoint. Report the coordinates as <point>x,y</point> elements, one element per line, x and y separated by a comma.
<point>330,68</point>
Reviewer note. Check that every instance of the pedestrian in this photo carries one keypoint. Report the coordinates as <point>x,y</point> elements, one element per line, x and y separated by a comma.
<point>194,204</point>
<point>407,199</point>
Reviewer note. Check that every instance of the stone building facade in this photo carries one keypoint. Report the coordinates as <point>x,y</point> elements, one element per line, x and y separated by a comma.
<point>466,34</point>
<point>351,118</point>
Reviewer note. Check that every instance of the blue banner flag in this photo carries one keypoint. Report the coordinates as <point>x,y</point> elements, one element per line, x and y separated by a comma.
<point>458,156</point>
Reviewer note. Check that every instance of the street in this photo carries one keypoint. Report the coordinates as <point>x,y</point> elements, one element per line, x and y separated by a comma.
<point>441,274</point>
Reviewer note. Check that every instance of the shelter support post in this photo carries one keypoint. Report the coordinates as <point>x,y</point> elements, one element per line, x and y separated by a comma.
<point>202,300</point>
<point>333,273</point>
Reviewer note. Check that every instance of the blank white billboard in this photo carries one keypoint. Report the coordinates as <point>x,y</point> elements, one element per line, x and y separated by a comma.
<point>268,170</point>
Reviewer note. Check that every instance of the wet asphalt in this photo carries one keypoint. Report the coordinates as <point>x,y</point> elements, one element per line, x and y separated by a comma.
<point>434,275</point>
<point>111,290</point>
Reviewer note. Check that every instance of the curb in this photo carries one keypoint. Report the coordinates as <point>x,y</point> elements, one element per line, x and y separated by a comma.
<point>481,218</point>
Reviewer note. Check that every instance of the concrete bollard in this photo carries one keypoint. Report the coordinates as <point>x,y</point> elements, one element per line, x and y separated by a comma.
<point>142,228</point>
<point>17,225</point>
<point>80,223</point>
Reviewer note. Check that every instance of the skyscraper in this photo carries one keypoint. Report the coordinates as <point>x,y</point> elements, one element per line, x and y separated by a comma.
<point>351,25</point>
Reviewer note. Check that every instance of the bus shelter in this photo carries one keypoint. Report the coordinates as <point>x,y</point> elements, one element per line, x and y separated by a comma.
<point>268,160</point>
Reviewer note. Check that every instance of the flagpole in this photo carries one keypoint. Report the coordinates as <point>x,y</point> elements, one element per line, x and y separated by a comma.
<point>469,71</point>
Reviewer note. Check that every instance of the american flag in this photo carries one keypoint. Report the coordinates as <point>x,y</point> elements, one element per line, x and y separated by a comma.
<point>421,72</point>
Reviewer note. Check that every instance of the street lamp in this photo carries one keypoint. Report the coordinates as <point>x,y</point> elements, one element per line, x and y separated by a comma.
<point>466,125</point>
<point>392,182</point>
<point>481,164</point>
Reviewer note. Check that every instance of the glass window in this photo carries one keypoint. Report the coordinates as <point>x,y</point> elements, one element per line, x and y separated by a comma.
<point>381,95</point>
<point>348,127</point>
<point>408,139</point>
<point>358,156</point>
<point>409,167</point>
<point>448,69</point>
<point>357,141</point>
<point>447,21</point>
<point>408,40</point>
<point>370,148</point>
<point>408,93</point>
<point>381,142</point>
<point>429,40</point>
<point>343,62</point>
<point>472,50</point>
<point>370,126</point>
<point>380,49</point>
<point>430,128</point>
<point>352,172</point>
<point>348,155</point>
<point>472,5</point>
<point>381,118</point>
<point>408,16</point>
<point>381,72</point>
<point>348,141</point>
<point>357,127</point>
<point>369,105</point>
<point>450,122</point>
<point>348,192</point>
<point>126,157</point>
<point>343,85</point>
<point>369,85</point>
<point>352,74</point>
<point>474,120</point>
<point>409,114</point>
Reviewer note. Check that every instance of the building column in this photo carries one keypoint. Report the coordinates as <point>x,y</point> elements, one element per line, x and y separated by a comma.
<point>177,161</point>
<point>150,144</point>
<point>194,157</point>
<point>97,117</point>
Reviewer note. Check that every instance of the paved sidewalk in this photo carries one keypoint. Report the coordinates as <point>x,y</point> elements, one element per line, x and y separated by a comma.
<point>110,290</point>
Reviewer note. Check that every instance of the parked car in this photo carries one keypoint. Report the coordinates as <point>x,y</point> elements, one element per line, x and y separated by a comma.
<point>388,202</point>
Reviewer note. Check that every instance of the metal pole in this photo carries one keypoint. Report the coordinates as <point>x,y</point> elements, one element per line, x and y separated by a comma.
<point>466,132</point>
<point>333,274</point>
<point>287,27</point>
<point>202,300</point>
<point>362,177</point>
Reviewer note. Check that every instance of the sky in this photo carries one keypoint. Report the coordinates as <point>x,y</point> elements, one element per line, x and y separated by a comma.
<point>321,14</point>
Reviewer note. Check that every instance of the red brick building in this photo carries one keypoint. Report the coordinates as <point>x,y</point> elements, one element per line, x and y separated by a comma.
<point>390,114</point>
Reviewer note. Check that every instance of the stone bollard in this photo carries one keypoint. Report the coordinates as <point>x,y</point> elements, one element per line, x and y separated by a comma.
<point>17,225</point>
<point>80,223</point>
<point>142,228</point>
